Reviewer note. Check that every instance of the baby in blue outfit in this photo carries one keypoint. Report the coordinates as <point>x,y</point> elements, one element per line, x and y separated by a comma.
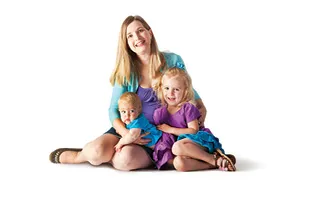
<point>129,105</point>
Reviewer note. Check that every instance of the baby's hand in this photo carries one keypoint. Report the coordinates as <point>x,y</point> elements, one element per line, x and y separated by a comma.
<point>165,128</point>
<point>118,147</point>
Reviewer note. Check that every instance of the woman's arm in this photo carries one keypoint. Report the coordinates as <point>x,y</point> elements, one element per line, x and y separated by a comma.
<point>203,111</point>
<point>113,108</point>
<point>193,128</point>
<point>128,138</point>
<point>120,127</point>
<point>113,112</point>
<point>123,131</point>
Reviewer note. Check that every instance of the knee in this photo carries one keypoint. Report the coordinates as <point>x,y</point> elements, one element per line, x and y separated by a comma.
<point>177,148</point>
<point>123,159</point>
<point>179,164</point>
<point>96,154</point>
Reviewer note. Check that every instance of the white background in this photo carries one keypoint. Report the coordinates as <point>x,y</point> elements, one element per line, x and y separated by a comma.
<point>251,61</point>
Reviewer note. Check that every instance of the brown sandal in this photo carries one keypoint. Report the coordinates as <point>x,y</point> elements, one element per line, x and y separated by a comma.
<point>226,161</point>
<point>55,155</point>
<point>232,158</point>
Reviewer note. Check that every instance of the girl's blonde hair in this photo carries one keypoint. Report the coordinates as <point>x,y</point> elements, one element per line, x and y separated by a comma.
<point>183,76</point>
<point>130,98</point>
<point>126,60</point>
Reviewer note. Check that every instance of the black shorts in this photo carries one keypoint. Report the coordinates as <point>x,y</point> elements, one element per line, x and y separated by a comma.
<point>147,149</point>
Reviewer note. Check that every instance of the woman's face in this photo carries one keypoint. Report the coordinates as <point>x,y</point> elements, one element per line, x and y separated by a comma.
<point>173,90</point>
<point>139,38</point>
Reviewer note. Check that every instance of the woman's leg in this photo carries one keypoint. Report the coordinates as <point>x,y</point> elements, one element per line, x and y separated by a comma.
<point>191,156</point>
<point>131,157</point>
<point>98,151</point>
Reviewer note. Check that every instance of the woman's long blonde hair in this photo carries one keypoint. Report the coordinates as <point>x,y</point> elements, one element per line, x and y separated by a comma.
<point>126,60</point>
<point>184,77</point>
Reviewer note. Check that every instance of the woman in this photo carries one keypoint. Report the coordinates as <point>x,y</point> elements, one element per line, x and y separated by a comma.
<point>139,64</point>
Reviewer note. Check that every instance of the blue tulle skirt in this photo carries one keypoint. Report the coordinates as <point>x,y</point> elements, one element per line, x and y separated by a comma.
<point>204,139</point>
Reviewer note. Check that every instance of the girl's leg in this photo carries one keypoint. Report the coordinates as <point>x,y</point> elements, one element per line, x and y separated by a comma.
<point>184,163</point>
<point>131,157</point>
<point>196,154</point>
<point>98,151</point>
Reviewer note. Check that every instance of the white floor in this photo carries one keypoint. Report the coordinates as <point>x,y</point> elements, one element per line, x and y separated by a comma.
<point>251,62</point>
<point>257,178</point>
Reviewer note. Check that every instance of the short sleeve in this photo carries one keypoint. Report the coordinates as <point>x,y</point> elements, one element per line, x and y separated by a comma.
<point>191,112</point>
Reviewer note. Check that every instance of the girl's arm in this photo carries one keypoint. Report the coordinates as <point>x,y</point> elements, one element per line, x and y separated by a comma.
<point>193,128</point>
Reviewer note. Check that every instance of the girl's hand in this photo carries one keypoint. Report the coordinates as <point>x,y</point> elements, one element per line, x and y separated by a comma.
<point>141,140</point>
<point>165,128</point>
<point>203,111</point>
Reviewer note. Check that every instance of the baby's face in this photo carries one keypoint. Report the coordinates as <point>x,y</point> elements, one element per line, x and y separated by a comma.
<point>128,112</point>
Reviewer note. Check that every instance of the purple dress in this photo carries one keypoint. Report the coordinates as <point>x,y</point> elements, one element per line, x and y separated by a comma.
<point>163,148</point>
<point>187,113</point>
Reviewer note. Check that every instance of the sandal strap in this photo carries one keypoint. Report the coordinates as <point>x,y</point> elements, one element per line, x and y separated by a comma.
<point>225,160</point>
<point>216,157</point>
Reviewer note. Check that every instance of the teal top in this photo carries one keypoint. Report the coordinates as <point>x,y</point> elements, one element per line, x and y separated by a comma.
<point>171,59</point>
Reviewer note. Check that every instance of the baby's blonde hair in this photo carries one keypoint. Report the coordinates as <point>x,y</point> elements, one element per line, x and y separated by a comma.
<point>130,98</point>
<point>183,76</point>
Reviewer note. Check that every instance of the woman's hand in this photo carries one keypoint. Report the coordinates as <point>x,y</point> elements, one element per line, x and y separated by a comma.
<point>203,111</point>
<point>202,118</point>
<point>141,140</point>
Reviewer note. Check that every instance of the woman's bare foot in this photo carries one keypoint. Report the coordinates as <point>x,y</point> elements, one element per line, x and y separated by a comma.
<point>68,157</point>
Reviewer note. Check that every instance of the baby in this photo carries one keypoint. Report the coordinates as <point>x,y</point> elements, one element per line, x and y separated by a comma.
<point>129,105</point>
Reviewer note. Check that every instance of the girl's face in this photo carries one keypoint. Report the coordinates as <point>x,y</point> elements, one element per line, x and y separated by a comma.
<point>173,90</point>
<point>128,112</point>
<point>139,38</point>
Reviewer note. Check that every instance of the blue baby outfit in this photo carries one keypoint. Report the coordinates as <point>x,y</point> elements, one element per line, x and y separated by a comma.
<point>143,123</point>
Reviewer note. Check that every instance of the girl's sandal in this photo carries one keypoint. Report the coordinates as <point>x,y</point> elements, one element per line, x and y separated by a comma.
<point>55,155</point>
<point>226,163</point>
